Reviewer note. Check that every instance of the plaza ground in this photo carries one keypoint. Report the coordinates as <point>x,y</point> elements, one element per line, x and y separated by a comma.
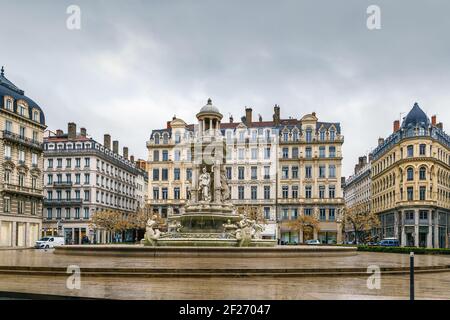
<point>42,272</point>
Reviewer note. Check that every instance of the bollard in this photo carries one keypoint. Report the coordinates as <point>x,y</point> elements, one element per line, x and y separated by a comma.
<point>411,275</point>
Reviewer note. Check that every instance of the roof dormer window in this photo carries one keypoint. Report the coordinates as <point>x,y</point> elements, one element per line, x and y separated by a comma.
<point>36,115</point>
<point>9,104</point>
<point>22,110</point>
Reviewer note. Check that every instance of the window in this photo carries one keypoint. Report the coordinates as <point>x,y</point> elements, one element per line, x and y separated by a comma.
<point>176,174</point>
<point>294,153</point>
<point>254,153</point>
<point>307,211</point>
<point>189,174</point>
<point>155,193</point>
<point>410,193</point>
<point>21,156</point>
<point>241,192</point>
<point>267,213</point>
<point>422,149</point>
<point>155,174</point>
<point>423,215</point>
<point>285,153</point>
<point>267,153</point>
<point>285,173</point>
<point>322,135</point>
<point>266,192</point>
<point>266,172</point>
<point>165,174</point>
<point>285,136</point>
<point>410,151</point>
<point>49,213</point>
<point>87,162</point>
<point>77,213</point>
<point>165,155</point>
<point>8,126</point>
<point>78,163</point>
<point>36,115</point>
<point>9,104</point>
<point>308,172</point>
<point>422,193</point>
<point>50,163</point>
<point>331,214</point>
<point>422,173</point>
<point>308,135</point>
<point>34,159</point>
<point>332,171</point>
<point>321,192</point>
<point>332,135</point>
<point>7,152</point>
<point>164,193</point>
<point>177,155</point>
<point>86,178</point>
<point>285,192</point>
<point>176,193</point>
<point>6,204</point>
<point>308,153</point>
<point>156,155</point>
<point>308,192</point>
<point>20,206</point>
<point>86,213</point>
<point>241,173</point>
<point>7,176</point>
<point>332,152</point>
<point>22,110</point>
<point>410,174</point>
<point>294,172</point>
<point>322,214</point>
<point>254,173</point>
<point>295,135</point>
<point>156,138</point>
<point>331,192</point>
<point>86,195</point>
<point>49,179</point>
<point>294,192</point>
<point>322,171</point>
<point>22,131</point>
<point>21,179</point>
<point>254,192</point>
<point>229,172</point>
<point>322,152</point>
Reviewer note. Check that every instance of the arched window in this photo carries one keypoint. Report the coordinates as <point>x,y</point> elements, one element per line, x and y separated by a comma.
<point>332,135</point>
<point>422,173</point>
<point>165,138</point>
<point>156,138</point>
<point>308,135</point>
<point>410,174</point>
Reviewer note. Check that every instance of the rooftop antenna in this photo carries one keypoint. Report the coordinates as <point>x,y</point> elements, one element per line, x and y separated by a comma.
<point>3,71</point>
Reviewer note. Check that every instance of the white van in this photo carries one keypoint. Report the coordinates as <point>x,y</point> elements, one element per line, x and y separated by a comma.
<point>49,242</point>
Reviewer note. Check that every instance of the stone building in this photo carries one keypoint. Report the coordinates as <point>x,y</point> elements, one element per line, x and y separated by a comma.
<point>81,177</point>
<point>357,192</point>
<point>411,182</point>
<point>258,153</point>
<point>22,127</point>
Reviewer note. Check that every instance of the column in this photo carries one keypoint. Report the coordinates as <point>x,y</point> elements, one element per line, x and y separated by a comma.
<point>14,234</point>
<point>315,236</point>
<point>73,235</point>
<point>430,231</point>
<point>416,228</point>
<point>396,218</point>
<point>217,186</point>
<point>300,235</point>
<point>402,225</point>
<point>436,229</point>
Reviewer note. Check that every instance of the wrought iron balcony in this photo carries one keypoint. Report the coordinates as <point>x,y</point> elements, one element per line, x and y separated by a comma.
<point>8,135</point>
<point>62,202</point>
<point>14,188</point>
<point>63,184</point>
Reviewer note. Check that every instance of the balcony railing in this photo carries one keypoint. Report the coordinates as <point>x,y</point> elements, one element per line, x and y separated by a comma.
<point>22,189</point>
<point>62,184</point>
<point>8,135</point>
<point>63,202</point>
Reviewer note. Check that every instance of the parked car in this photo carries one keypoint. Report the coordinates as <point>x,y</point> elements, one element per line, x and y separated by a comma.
<point>312,241</point>
<point>389,242</point>
<point>49,242</point>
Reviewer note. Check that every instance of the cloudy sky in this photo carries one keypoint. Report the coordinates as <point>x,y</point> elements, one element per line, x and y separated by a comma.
<point>135,64</point>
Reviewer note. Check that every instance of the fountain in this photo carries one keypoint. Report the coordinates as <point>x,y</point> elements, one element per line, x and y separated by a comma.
<point>209,218</point>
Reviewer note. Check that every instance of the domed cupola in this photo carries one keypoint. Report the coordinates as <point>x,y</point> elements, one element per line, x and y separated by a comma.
<point>416,117</point>
<point>209,119</point>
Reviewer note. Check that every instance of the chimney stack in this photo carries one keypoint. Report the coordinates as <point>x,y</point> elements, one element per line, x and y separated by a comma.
<point>83,132</point>
<point>132,158</point>
<point>276,115</point>
<point>396,125</point>
<point>107,141</point>
<point>116,146</point>
<point>440,125</point>
<point>260,118</point>
<point>125,152</point>
<point>59,132</point>
<point>433,120</point>
<point>248,116</point>
<point>168,124</point>
<point>231,118</point>
<point>380,141</point>
<point>72,130</point>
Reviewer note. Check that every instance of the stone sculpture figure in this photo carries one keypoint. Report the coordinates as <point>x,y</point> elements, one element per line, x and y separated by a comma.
<point>152,233</point>
<point>225,191</point>
<point>204,183</point>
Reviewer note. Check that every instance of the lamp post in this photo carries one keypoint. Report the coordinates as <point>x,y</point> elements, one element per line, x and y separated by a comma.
<point>411,275</point>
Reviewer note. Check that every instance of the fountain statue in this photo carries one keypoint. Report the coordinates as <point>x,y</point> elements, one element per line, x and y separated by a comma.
<point>209,218</point>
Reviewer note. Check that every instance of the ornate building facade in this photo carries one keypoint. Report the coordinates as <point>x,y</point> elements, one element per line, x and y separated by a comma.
<point>82,177</point>
<point>411,182</point>
<point>284,167</point>
<point>357,192</point>
<point>22,127</point>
